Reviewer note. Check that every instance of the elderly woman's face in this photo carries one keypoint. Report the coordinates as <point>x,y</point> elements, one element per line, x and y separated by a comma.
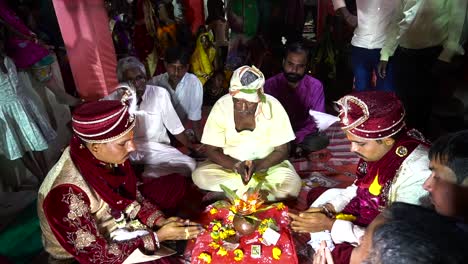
<point>114,152</point>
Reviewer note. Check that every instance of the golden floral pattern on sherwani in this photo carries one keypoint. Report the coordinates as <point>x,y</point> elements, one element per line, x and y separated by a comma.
<point>76,204</point>
<point>86,240</point>
<point>72,215</point>
<point>132,210</point>
<point>114,250</point>
<point>83,239</point>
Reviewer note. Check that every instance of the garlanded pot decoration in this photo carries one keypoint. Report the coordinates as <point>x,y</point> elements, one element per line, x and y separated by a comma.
<point>243,226</point>
<point>244,209</point>
<point>236,231</point>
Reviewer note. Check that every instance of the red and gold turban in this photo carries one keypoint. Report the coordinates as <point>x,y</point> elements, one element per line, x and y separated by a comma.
<point>371,114</point>
<point>102,121</point>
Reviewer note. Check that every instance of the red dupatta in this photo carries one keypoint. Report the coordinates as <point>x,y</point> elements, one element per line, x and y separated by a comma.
<point>116,187</point>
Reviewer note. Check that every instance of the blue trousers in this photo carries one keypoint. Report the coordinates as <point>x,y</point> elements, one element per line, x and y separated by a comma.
<point>364,62</point>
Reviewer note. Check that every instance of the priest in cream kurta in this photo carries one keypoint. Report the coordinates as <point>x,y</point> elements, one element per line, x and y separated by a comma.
<point>271,130</point>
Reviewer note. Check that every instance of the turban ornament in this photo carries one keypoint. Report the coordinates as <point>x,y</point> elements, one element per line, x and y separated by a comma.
<point>371,114</point>
<point>102,121</point>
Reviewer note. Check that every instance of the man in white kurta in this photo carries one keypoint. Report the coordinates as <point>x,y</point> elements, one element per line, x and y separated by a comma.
<point>155,115</point>
<point>272,129</point>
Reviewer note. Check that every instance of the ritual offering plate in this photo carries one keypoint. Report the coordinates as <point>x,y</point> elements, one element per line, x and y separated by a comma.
<point>222,242</point>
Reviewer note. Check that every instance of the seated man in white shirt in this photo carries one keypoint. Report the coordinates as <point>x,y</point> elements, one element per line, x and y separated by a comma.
<point>185,89</point>
<point>155,115</point>
<point>393,167</point>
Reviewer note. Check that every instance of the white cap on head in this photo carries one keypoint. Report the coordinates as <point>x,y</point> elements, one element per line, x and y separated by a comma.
<point>247,83</point>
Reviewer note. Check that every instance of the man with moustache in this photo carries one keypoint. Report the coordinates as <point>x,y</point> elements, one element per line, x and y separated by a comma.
<point>448,190</point>
<point>89,205</point>
<point>393,167</point>
<point>246,137</point>
<point>299,93</point>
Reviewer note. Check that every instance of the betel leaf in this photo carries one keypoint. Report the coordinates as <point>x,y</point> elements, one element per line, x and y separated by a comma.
<point>251,219</point>
<point>263,209</point>
<point>230,194</point>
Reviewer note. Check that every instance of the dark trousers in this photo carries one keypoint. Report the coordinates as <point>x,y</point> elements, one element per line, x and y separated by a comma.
<point>416,84</point>
<point>364,62</point>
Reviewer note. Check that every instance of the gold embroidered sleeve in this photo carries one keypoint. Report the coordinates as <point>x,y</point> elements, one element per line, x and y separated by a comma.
<point>133,209</point>
<point>67,210</point>
<point>153,218</point>
<point>149,213</point>
<point>149,243</point>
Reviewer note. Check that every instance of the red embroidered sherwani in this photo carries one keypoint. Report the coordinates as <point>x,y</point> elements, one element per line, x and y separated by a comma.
<point>77,223</point>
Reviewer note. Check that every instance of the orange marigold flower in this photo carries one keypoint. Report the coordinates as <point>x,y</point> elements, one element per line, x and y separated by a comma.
<point>222,252</point>
<point>238,254</point>
<point>280,206</point>
<point>205,257</point>
<point>276,253</point>
<point>214,245</point>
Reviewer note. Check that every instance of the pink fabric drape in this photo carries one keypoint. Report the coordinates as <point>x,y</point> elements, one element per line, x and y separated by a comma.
<point>85,31</point>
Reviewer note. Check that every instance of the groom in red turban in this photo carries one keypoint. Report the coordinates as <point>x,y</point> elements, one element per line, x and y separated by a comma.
<point>89,206</point>
<point>393,167</point>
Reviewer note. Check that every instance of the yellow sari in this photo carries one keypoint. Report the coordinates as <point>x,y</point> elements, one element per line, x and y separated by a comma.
<point>202,59</point>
